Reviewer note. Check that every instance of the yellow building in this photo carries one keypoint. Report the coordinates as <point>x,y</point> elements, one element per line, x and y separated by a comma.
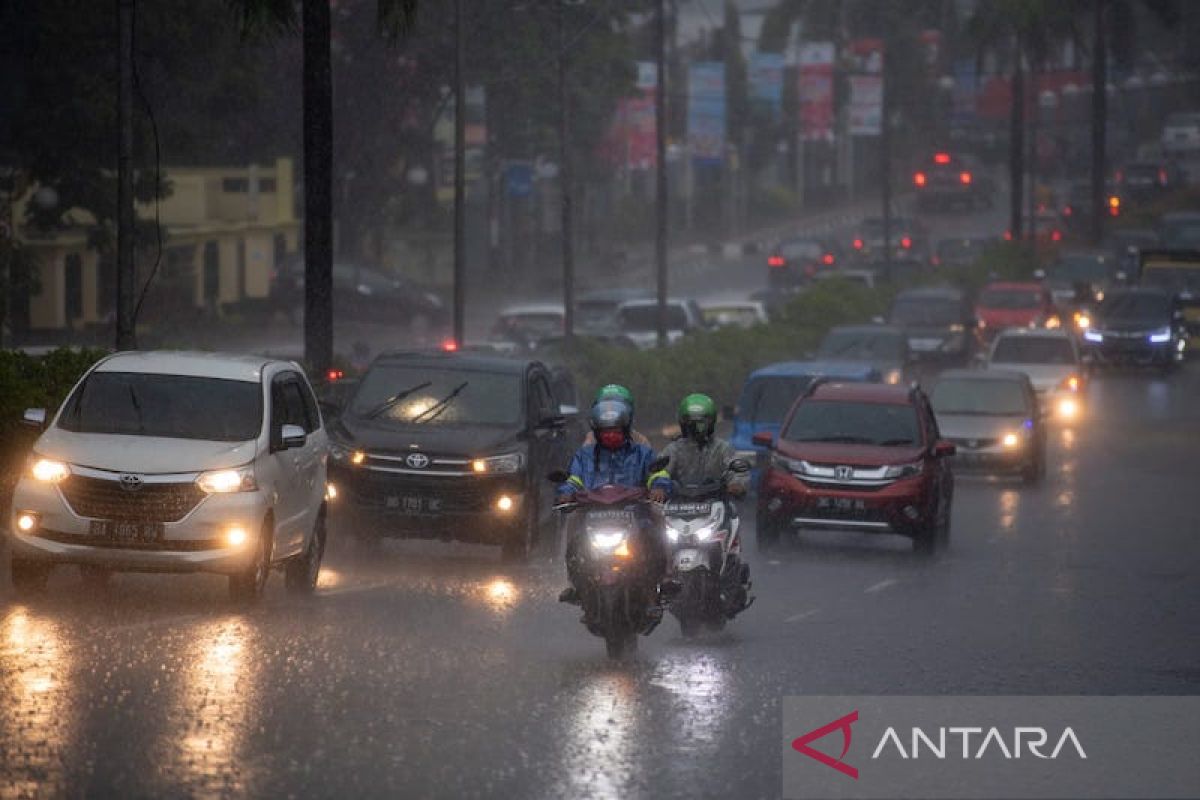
<point>224,231</point>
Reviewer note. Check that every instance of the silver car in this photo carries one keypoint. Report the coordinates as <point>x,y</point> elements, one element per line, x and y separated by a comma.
<point>1051,360</point>
<point>992,416</point>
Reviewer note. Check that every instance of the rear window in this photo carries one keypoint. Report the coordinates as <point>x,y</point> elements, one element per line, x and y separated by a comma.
<point>801,248</point>
<point>1010,299</point>
<point>1033,350</point>
<point>987,397</point>
<point>930,311</point>
<point>879,424</point>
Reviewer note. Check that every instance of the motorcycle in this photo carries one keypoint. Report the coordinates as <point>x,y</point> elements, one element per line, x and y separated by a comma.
<point>711,580</point>
<point>613,577</point>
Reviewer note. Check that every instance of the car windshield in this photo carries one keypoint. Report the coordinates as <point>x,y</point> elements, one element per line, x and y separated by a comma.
<point>644,318</point>
<point>1088,269</point>
<point>402,394</point>
<point>1174,279</point>
<point>1033,350</point>
<point>168,406</point>
<point>863,346</point>
<point>597,313</point>
<point>766,400</point>
<point>1135,307</point>
<point>1183,120</point>
<point>1010,299</point>
<point>933,311</point>
<point>987,397</point>
<point>546,323</point>
<point>744,316</point>
<point>881,424</point>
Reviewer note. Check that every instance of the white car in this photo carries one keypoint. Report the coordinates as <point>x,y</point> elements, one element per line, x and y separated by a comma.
<point>739,313</point>
<point>177,462</point>
<point>1181,133</point>
<point>528,324</point>
<point>1051,360</point>
<point>637,321</point>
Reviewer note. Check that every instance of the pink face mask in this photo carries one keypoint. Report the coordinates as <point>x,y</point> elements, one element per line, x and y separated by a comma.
<point>611,439</point>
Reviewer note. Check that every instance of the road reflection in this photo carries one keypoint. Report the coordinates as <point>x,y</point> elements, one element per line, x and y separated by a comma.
<point>36,713</point>
<point>601,739</point>
<point>215,709</point>
<point>1010,506</point>
<point>500,595</point>
<point>699,682</point>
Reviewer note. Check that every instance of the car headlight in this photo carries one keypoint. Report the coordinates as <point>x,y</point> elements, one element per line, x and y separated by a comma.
<point>226,481</point>
<point>499,465</point>
<point>1068,408</point>
<point>1010,440</point>
<point>47,470</point>
<point>893,376</point>
<point>1053,322</point>
<point>1160,336</point>
<point>1082,321</point>
<point>789,464</point>
<point>1093,336</point>
<point>904,470</point>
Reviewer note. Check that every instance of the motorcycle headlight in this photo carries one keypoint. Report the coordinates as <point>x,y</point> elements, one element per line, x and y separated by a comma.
<point>606,540</point>
<point>893,376</point>
<point>904,470</point>
<point>1160,336</point>
<point>705,533</point>
<point>499,465</point>
<point>47,470</point>
<point>1093,336</point>
<point>226,481</point>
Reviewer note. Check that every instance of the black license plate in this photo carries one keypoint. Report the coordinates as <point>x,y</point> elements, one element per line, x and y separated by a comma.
<point>413,505</point>
<point>121,532</point>
<point>841,504</point>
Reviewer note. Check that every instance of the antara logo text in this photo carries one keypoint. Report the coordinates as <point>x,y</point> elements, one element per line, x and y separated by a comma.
<point>943,743</point>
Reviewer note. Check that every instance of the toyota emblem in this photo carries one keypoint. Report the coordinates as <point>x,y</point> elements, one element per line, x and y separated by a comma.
<point>843,473</point>
<point>417,460</point>
<point>131,483</point>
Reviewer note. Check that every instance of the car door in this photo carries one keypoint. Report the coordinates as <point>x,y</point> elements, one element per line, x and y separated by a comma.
<point>287,408</point>
<point>312,456</point>
<point>546,441</point>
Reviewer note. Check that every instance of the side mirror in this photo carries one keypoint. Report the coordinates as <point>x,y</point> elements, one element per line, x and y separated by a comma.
<point>34,417</point>
<point>739,465</point>
<point>292,436</point>
<point>944,449</point>
<point>763,439</point>
<point>558,476</point>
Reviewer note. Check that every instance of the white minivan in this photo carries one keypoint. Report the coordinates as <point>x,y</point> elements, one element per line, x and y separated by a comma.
<point>177,462</point>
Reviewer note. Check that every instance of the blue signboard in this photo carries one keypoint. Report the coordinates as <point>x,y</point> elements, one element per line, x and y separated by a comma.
<point>766,81</point>
<point>706,111</point>
<point>518,180</point>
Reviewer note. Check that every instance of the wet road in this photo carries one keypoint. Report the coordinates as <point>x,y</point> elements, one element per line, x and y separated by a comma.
<point>434,670</point>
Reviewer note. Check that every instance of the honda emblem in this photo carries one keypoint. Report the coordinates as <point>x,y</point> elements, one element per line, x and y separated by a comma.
<point>843,473</point>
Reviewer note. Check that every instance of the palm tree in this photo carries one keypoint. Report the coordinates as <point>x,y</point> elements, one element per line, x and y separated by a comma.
<point>315,24</point>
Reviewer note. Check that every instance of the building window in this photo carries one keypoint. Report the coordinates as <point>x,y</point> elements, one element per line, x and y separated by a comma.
<point>235,185</point>
<point>266,184</point>
<point>73,286</point>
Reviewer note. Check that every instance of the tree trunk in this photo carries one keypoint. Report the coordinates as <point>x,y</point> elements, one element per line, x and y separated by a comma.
<point>1016,147</point>
<point>318,187</point>
<point>1099,121</point>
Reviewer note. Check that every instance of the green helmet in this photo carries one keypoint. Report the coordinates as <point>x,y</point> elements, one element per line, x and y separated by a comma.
<point>697,417</point>
<point>615,391</point>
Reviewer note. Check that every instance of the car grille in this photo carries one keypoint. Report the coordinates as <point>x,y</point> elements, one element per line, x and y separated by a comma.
<point>97,498</point>
<point>163,546</point>
<point>975,444</point>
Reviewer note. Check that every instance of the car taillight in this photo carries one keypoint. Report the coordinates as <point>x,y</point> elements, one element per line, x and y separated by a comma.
<point>906,242</point>
<point>858,244</point>
<point>965,178</point>
<point>935,261</point>
<point>941,158</point>
<point>1114,206</point>
<point>1056,235</point>
<point>334,375</point>
<point>827,259</point>
<point>919,179</point>
<point>1120,176</point>
<point>776,261</point>
<point>1008,236</point>
<point>450,346</point>
<point>1162,177</point>
<point>1068,211</point>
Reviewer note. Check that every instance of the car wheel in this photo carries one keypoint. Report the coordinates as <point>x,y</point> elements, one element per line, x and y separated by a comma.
<point>247,586</point>
<point>95,579</point>
<point>29,576</point>
<point>303,570</point>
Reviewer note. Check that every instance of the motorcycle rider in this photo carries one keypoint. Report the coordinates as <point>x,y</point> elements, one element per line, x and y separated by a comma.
<point>615,459</point>
<point>615,391</point>
<point>699,456</point>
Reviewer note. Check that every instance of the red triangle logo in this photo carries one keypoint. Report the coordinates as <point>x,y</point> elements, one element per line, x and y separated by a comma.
<point>801,744</point>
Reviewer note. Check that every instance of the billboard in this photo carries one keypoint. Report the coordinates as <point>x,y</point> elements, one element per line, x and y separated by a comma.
<point>766,81</point>
<point>815,85</point>
<point>706,111</point>
<point>866,87</point>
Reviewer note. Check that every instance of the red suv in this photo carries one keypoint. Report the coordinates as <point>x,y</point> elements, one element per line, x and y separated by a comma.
<point>1015,305</point>
<point>862,457</point>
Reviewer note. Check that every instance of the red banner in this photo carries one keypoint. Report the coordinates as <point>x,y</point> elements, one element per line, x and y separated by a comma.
<point>815,85</point>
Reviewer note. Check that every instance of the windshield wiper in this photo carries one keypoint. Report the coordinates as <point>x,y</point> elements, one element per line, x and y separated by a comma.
<point>396,398</point>
<point>137,406</point>
<point>435,410</point>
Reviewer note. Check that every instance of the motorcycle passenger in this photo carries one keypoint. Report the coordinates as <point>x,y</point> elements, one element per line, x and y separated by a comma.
<point>615,391</point>
<point>698,456</point>
<point>615,459</point>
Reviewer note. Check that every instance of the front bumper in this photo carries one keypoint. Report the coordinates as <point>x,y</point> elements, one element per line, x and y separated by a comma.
<point>196,543</point>
<point>1136,352</point>
<point>993,459</point>
<point>788,502</point>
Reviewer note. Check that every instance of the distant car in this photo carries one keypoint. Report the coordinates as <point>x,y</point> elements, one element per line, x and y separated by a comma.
<point>858,457</point>
<point>1142,326</point>
<point>1080,278</point>
<point>1181,133</point>
<point>1180,230</point>
<point>1076,213</point>
<point>525,325</point>
<point>596,311</point>
<point>365,294</point>
<point>1044,228</point>
<point>939,323</point>
<point>910,241</point>
<point>770,391</point>
<point>1143,181</point>
<point>1010,304</point>
<point>446,445</point>
<point>177,462</point>
<point>866,278</point>
<point>993,420</point>
<point>952,180</point>
<point>1052,362</point>
<point>883,347</point>
<point>960,252</point>
<point>741,314</point>
<point>1126,243</point>
<point>637,321</point>
<point>797,260</point>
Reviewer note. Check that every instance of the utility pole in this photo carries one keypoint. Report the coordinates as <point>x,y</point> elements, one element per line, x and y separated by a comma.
<point>660,132</point>
<point>126,275</point>
<point>318,186</point>
<point>460,162</point>
<point>1099,120</point>
<point>885,154</point>
<point>1016,144</point>
<point>564,181</point>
